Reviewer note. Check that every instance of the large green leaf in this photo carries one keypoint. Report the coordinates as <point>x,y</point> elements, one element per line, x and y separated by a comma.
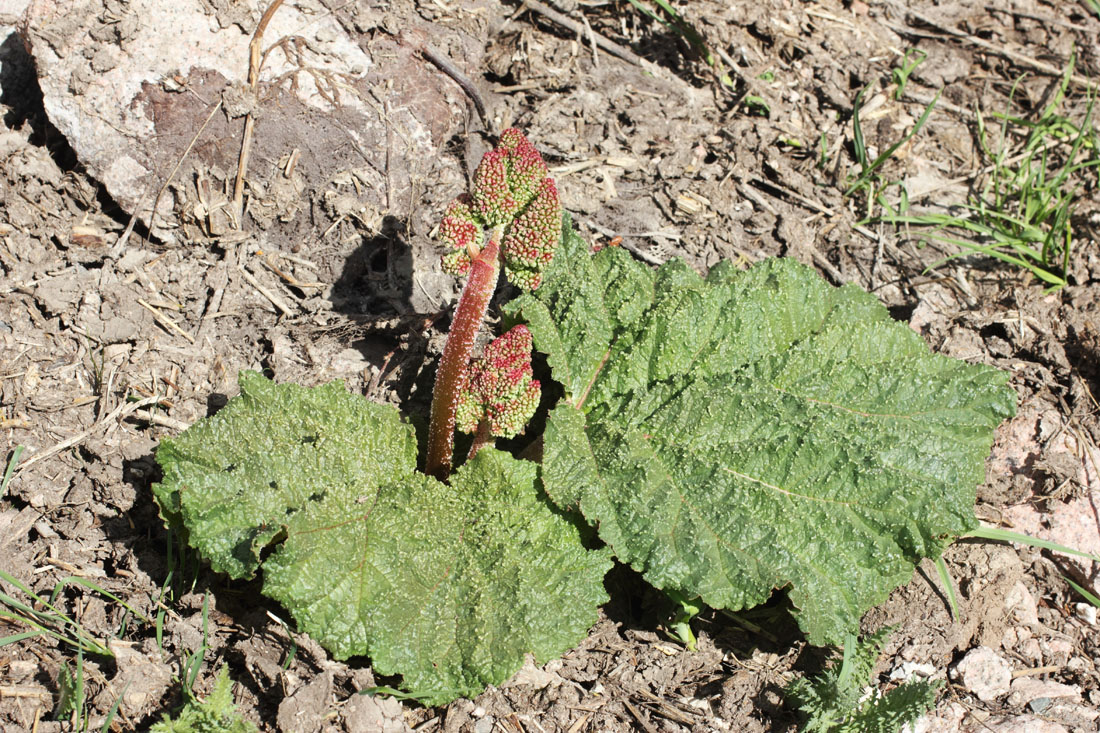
<point>446,585</point>
<point>757,429</point>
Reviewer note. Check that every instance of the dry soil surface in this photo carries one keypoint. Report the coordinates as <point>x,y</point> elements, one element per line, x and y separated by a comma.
<point>119,327</point>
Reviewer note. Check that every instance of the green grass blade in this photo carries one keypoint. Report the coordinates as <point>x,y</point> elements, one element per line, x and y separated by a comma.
<point>75,580</point>
<point>114,710</point>
<point>948,588</point>
<point>857,133</point>
<point>1083,593</point>
<point>1003,535</point>
<point>19,637</point>
<point>15,454</point>
<point>858,142</point>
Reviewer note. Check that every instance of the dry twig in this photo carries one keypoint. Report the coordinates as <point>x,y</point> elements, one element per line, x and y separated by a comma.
<point>445,65</point>
<point>578,28</point>
<point>266,292</point>
<point>119,412</point>
<point>165,321</point>
<point>254,50</point>
<point>993,48</point>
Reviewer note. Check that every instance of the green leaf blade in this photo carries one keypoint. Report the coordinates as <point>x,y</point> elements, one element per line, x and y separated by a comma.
<point>569,319</point>
<point>448,586</point>
<point>761,429</point>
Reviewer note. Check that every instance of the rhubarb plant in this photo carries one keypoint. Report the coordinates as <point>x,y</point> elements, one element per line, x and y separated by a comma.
<point>726,436</point>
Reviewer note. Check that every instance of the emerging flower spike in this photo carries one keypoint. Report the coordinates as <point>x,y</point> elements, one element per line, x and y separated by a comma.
<point>498,387</point>
<point>462,232</point>
<point>531,240</point>
<point>507,177</point>
<point>513,206</point>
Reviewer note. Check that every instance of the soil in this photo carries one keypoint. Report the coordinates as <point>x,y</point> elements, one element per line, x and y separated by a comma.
<point>96,311</point>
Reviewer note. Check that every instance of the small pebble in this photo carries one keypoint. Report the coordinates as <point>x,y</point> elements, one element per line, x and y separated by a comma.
<point>984,673</point>
<point>1086,612</point>
<point>908,670</point>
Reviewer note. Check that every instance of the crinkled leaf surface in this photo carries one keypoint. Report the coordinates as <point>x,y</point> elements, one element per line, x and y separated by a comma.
<point>446,585</point>
<point>756,429</point>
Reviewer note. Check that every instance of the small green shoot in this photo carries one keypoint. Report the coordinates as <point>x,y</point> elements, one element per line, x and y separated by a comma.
<point>900,75</point>
<point>948,587</point>
<point>687,609</point>
<point>1023,215</point>
<point>193,664</point>
<point>756,105</point>
<point>10,470</point>
<point>835,701</point>
<point>70,700</point>
<point>216,714</point>
<point>869,179</point>
<point>823,152</point>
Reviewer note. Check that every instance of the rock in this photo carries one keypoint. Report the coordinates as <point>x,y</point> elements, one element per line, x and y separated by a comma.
<point>1020,605</point>
<point>909,670</point>
<point>983,673</point>
<point>338,109</point>
<point>304,710</point>
<point>1022,724</point>
<point>531,675</point>
<point>1086,612</point>
<point>367,714</point>
<point>948,719</point>
<point>1028,689</point>
<point>1071,523</point>
<point>142,680</point>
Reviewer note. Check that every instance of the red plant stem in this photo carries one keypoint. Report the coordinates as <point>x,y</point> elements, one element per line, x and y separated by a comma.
<point>482,438</point>
<point>473,304</point>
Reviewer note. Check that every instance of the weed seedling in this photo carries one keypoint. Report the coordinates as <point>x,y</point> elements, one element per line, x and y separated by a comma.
<point>216,714</point>
<point>837,700</point>
<point>900,75</point>
<point>869,180</point>
<point>1023,214</point>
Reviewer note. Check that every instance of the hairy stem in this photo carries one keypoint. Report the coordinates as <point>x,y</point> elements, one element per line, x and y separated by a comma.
<point>482,438</point>
<point>472,306</point>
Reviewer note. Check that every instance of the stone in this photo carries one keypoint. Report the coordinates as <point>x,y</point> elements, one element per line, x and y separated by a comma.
<point>156,116</point>
<point>303,711</point>
<point>983,673</point>
<point>1021,606</point>
<point>143,679</point>
<point>1022,724</point>
<point>367,714</point>
<point>906,671</point>
<point>1027,689</point>
<point>947,719</point>
<point>1071,523</point>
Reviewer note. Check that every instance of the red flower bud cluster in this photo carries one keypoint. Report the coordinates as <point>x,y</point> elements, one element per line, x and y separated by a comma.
<point>498,387</point>
<point>513,192</point>
<point>460,231</point>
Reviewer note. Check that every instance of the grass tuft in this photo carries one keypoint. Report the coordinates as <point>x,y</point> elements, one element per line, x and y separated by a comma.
<point>1023,214</point>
